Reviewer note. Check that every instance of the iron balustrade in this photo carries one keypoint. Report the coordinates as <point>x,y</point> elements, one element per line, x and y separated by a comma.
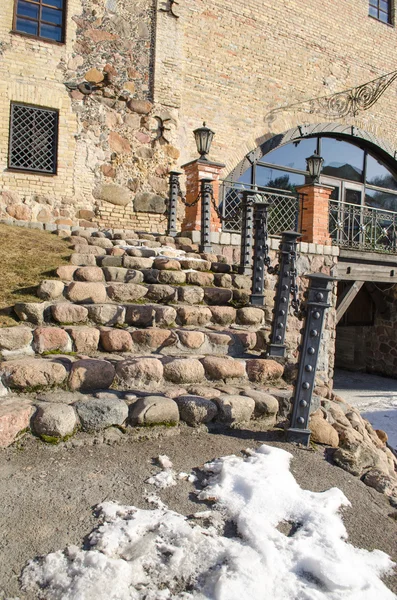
<point>283,207</point>
<point>362,227</point>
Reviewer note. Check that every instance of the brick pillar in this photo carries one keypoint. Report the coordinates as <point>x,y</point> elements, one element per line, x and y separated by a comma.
<point>314,213</point>
<point>195,171</point>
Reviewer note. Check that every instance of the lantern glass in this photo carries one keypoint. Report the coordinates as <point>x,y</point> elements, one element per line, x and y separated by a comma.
<point>314,166</point>
<point>203,136</point>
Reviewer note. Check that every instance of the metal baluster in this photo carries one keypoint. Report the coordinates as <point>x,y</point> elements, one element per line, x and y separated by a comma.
<point>206,197</point>
<point>260,251</point>
<point>287,257</point>
<point>173,203</point>
<point>320,287</point>
<point>247,233</point>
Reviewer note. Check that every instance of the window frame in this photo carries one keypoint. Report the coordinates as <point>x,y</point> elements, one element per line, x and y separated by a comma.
<point>319,137</point>
<point>371,4</point>
<point>55,141</point>
<point>40,4</point>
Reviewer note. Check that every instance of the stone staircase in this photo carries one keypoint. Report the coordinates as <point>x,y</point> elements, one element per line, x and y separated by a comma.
<point>143,330</point>
<point>135,314</point>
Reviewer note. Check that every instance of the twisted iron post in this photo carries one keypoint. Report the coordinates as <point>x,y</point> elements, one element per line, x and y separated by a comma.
<point>320,287</point>
<point>285,285</point>
<point>173,203</point>
<point>206,198</point>
<point>247,233</point>
<point>257,297</point>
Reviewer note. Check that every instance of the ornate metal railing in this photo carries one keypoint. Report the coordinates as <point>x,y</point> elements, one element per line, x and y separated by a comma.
<point>362,227</point>
<point>283,207</point>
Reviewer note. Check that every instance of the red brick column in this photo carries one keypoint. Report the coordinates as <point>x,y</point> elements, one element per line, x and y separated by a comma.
<point>314,213</point>
<point>195,171</point>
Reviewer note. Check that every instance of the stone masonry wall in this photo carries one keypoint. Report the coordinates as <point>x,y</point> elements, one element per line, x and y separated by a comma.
<point>111,153</point>
<point>380,340</point>
<point>312,258</point>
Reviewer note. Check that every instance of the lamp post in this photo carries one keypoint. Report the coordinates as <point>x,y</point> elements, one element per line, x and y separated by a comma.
<point>203,136</point>
<point>314,166</point>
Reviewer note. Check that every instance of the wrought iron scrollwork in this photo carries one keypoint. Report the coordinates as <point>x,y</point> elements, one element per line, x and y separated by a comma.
<point>170,8</point>
<point>346,103</point>
<point>161,129</point>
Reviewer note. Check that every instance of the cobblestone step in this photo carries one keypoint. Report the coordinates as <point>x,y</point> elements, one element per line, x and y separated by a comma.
<point>147,372</point>
<point>108,414</point>
<point>114,269</point>
<point>93,340</point>
<point>99,292</point>
<point>140,315</point>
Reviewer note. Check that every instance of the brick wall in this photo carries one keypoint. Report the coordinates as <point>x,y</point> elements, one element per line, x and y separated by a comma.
<point>242,60</point>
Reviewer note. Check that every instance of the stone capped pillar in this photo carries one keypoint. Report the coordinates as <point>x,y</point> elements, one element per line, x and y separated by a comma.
<point>314,213</point>
<point>195,171</point>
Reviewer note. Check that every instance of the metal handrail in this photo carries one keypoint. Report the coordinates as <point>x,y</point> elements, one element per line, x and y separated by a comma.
<point>364,206</point>
<point>362,227</point>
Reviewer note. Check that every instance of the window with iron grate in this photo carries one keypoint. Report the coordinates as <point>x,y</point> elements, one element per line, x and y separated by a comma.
<point>381,10</point>
<point>33,139</point>
<point>44,19</point>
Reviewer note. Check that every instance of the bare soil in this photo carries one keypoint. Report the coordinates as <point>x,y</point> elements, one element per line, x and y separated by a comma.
<point>48,493</point>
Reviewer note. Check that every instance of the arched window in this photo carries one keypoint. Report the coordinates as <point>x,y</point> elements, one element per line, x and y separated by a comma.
<point>357,173</point>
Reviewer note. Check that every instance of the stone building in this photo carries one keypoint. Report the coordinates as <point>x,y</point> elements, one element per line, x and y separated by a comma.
<point>98,100</point>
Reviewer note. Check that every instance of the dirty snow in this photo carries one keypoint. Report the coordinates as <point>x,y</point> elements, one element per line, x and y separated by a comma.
<point>165,461</point>
<point>165,478</point>
<point>374,396</point>
<point>159,554</point>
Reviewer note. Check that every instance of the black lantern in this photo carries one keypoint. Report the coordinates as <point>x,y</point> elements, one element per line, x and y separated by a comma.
<point>203,136</point>
<point>314,166</point>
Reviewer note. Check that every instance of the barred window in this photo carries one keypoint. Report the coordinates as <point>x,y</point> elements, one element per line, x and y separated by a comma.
<point>33,139</point>
<point>381,10</point>
<point>41,18</point>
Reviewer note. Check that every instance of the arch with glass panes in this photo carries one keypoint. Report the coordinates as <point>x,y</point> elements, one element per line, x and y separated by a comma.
<point>362,169</point>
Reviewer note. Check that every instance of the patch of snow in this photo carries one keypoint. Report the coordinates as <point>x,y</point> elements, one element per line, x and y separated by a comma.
<point>158,554</point>
<point>165,461</point>
<point>386,420</point>
<point>191,478</point>
<point>163,479</point>
<point>3,390</point>
<point>374,396</point>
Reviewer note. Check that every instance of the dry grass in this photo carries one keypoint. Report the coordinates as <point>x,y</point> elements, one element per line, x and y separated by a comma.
<point>27,257</point>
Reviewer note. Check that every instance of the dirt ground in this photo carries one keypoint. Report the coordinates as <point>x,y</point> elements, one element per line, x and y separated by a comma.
<point>47,493</point>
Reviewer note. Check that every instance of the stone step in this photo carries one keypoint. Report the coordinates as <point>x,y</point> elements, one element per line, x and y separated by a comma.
<point>97,292</point>
<point>140,315</point>
<point>129,237</point>
<point>149,373</point>
<point>113,269</point>
<point>93,341</point>
<point>57,415</point>
<point>140,248</point>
